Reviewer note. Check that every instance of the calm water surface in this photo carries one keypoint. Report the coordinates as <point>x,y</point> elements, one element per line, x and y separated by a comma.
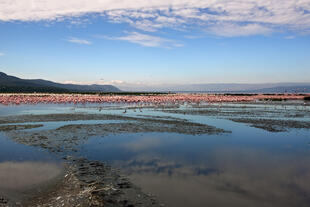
<point>24,170</point>
<point>245,168</point>
<point>248,167</point>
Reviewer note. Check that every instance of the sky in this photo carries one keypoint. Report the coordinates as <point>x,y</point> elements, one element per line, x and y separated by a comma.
<point>156,42</point>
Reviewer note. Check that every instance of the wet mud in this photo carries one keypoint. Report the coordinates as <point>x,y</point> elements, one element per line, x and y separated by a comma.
<point>245,111</point>
<point>19,127</point>
<point>58,117</point>
<point>83,116</point>
<point>69,137</point>
<point>273,118</point>
<point>87,183</point>
<point>274,125</point>
<point>92,183</point>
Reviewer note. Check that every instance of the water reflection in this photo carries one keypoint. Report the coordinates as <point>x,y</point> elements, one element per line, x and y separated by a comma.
<point>25,171</point>
<point>141,145</point>
<point>20,175</point>
<point>11,151</point>
<point>238,177</point>
<point>185,170</point>
<point>21,179</point>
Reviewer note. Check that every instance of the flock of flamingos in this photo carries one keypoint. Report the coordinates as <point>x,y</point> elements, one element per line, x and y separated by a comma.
<point>16,99</point>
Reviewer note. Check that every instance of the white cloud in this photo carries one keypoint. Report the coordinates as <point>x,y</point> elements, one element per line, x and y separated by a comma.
<point>101,82</point>
<point>115,82</point>
<point>75,82</point>
<point>79,41</point>
<point>218,17</point>
<point>147,40</point>
<point>232,30</point>
<point>2,54</point>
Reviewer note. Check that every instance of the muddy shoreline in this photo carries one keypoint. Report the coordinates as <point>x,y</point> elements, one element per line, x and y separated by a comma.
<point>87,183</point>
<point>19,127</point>
<point>243,111</point>
<point>67,138</point>
<point>273,125</point>
<point>92,183</point>
<point>275,118</point>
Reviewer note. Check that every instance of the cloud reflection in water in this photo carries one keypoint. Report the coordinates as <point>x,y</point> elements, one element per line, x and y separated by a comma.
<point>18,179</point>
<point>234,177</point>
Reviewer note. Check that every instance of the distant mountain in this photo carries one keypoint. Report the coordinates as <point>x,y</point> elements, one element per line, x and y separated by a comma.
<point>249,88</point>
<point>226,88</point>
<point>284,89</point>
<point>14,84</point>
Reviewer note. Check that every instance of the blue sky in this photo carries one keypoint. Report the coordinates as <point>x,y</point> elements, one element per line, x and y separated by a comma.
<point>156,42</point>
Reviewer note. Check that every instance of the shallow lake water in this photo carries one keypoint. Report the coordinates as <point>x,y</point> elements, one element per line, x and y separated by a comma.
<point>247,167</point>
<point>24,170</point>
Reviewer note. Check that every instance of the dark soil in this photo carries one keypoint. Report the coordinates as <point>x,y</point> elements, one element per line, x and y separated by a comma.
<point>92,183</point>
<point>273,125</point>
<point>244,111</point>
<point>19,127</point>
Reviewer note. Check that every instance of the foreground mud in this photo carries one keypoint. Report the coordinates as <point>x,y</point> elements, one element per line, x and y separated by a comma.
<point>88,183</point>
<point>91,183</point>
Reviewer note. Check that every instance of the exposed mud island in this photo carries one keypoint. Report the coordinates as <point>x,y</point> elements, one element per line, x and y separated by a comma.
<point>82,182</point>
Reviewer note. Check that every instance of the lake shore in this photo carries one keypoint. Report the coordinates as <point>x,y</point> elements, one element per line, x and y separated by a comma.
<point>7,99</point>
